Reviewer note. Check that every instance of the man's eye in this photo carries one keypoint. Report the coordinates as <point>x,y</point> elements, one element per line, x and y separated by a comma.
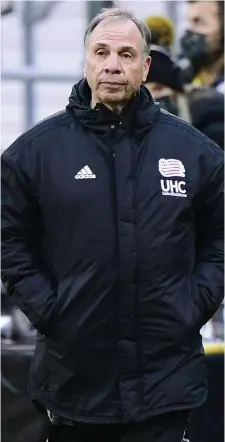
<point>101,52</point>
<point>126,55</point>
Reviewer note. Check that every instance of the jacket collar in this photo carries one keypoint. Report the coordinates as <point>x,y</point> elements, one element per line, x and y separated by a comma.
<point>139,115</point>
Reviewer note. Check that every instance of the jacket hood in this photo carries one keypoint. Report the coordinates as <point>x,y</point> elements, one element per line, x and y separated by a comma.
<point>141,109</point>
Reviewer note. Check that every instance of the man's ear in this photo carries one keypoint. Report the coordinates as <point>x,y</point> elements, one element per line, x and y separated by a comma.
<point>146,66</point>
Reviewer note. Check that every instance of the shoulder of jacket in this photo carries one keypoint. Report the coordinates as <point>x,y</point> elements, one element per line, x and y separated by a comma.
<point>49,124</point>
<point>44,129</point>
<point>180,128</point>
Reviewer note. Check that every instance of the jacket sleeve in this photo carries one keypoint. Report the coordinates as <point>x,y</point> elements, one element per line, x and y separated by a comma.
<point>24,272</point>
<point>209,268</point>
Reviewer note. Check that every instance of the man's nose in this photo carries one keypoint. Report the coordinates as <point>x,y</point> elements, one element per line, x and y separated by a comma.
<point>112,65</point>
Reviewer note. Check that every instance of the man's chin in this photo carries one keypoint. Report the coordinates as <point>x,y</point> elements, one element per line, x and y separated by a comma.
<point>112,97</point>
<point>115,97</point>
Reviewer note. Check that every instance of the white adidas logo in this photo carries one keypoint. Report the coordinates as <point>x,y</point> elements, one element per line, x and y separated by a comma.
<point>85,174</point>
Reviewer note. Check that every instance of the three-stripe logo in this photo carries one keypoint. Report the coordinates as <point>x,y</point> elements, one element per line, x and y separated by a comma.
<point>84,174</point>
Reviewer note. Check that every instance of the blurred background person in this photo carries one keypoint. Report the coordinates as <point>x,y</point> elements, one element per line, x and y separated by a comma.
<point>207,110</point>
<point>202,45</point>
<point>164,79</point>
<point>202,106</point>
<point>203,42</point>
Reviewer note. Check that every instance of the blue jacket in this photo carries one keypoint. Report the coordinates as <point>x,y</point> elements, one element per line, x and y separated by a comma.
<point>112,245</point>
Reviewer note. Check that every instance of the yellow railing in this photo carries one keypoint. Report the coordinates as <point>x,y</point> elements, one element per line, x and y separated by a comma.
<point>214,347</point>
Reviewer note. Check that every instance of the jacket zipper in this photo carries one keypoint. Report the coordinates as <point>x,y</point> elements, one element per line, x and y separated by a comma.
<point>134,175</point>
<point>113,171</point>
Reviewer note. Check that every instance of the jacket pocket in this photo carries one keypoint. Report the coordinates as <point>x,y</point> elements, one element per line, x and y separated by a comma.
<point>189,307</point>
<point>198,310</point>
<point>184,311</point>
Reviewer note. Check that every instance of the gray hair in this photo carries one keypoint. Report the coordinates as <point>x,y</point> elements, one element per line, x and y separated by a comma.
<point>107,13</point>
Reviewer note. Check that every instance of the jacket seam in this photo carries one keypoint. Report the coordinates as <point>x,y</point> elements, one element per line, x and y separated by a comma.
<point>39,131</point>
<point>43,128</point>
<point>195,133</point>
<point>135,189</point>
<point>155,412</point>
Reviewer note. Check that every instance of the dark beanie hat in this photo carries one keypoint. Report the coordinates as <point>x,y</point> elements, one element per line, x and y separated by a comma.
<point>164,70</point>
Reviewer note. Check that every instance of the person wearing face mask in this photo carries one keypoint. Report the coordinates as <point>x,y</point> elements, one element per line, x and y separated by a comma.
<point>203,107</point>
<point>202,45</point>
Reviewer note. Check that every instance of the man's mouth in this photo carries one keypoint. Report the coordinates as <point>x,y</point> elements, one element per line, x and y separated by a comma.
<point>112,83</point>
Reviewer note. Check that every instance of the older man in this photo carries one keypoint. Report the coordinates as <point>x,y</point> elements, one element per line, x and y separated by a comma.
<point>112,237</point>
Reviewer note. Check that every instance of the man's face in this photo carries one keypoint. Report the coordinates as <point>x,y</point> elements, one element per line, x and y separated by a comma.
<point>115,62</point>
<point>203,18</point>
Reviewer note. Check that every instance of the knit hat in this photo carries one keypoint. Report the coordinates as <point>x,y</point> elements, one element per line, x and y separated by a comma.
<point>164,70</point>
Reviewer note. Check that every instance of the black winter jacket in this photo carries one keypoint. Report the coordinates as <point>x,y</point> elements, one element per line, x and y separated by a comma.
<point>207,111</point>
<point>112,238</point>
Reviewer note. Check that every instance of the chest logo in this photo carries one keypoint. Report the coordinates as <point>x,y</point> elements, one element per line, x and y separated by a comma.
<point>172,168</point>
<point>84,174</point>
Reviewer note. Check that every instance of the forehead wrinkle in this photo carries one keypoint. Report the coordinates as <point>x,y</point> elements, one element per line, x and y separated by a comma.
<point>112,36</point>
<point>113,33</point>
<point>123,45</point>
<point>115,43</point>
<point>109,29</point>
